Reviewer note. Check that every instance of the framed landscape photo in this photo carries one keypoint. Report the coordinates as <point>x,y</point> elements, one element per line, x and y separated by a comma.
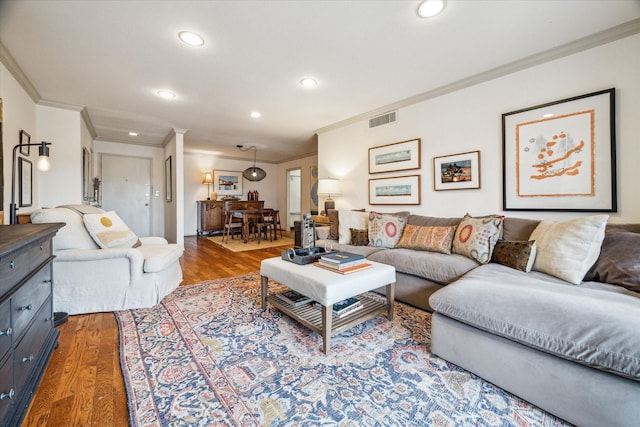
<point>168,181</point>
<point>25,138</point>
<point>227,183</point>
<point>560,156</point>
<point>398,190</point>
<point>456,171</point>
<point>25,183</point>
<point>399,156</point>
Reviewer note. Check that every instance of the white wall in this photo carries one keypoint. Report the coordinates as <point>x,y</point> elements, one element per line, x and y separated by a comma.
<point>304,164</point>
<point>157,174</point>
<point>195,166</point>
<point>470,119</point>
<point>19,112</point>
<point>62,184</point>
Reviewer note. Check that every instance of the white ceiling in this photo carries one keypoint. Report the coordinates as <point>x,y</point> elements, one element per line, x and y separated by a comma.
<point>112,56</point>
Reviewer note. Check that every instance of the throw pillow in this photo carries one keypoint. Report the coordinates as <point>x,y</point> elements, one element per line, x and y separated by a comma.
<point>476,237</point>
<point>334,232</point>
<point>385,229</point>
<point>568,249</point>
<point>359,237</point>
<point>350,219</point>
<point>423,238</point>
<point>618,263</point>
<point>109,231</point>
<point>515,254</point>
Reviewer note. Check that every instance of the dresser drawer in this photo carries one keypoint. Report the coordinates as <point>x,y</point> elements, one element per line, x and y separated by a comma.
<point>27,301</point>
<point>6,386</point>
<point>5,329</point>
<point>15,266</point>
<point>29,350</point>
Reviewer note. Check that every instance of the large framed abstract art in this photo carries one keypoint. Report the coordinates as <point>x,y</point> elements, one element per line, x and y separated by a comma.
<point>561,156</point>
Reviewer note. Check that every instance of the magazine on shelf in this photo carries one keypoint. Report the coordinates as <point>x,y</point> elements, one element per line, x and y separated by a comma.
<point>341,257</point>
<point>343,265</point>
<point>348,311</point>
<point>294,298</point>
<point>348,270</point>
<point>346,304</point>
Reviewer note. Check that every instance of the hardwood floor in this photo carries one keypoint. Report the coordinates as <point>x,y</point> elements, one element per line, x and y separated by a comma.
<point>83,384</point>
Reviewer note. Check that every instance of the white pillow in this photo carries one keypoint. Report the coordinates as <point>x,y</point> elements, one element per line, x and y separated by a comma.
<point>109,231</point>
<point>568,249</point>
<point>73,235</point>
<point>350,219</point>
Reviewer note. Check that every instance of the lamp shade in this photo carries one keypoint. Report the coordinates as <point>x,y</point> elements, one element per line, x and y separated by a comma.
<point>208,179</point>
<point>329,187</point>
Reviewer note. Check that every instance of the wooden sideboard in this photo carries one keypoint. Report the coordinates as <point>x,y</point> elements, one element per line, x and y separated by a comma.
<point>211,214</point>
<point>27,335</point>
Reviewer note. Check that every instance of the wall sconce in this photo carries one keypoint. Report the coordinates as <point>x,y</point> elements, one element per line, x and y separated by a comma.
<point>253,173</point>
<point>43,165</point>
<point>329,187</point>
<point>208,179</point>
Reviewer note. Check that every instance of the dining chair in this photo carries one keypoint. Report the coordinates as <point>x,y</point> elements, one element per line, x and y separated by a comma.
<point>232,225</point>
<point>265,224</point>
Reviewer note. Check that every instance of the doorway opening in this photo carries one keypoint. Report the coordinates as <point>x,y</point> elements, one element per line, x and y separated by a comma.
<point>294,191</point>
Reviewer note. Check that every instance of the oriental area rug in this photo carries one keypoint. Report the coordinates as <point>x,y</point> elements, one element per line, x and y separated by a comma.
<point>238,245</point>
<point>209,355</point>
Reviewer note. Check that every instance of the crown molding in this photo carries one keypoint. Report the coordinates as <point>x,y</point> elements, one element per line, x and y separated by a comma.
<point>16,72</point>
<point>61,105</point>
<point>87,121</point>
<point>607,36</point>
<point>123,141</point>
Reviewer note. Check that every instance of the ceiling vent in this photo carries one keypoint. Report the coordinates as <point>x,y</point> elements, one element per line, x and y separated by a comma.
<point>383,119</point>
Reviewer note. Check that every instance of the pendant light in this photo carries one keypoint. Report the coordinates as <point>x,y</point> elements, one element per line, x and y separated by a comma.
<point>253,173</point>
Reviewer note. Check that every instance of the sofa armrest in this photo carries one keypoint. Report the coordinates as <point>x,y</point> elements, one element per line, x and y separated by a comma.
<point>146,241</point>
<point>134,256</point>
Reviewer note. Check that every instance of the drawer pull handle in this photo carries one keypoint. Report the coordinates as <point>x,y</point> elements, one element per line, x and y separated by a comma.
<point>12,264</point>
<point>27,359</point>
<point>25,307</point>
<point>9,395</point>
<point>8,332</point>
<point>46,281</point>
<point>41,247</point>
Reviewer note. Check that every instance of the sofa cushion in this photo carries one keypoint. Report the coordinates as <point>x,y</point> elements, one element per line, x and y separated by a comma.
<point>109,230</point>
<point>159,257</point>
<point>333,245</point>
<point>619,260</point>
<point>518,228</point>
<point>424,238</point>
<point>515,254</point>
<point>432,221</point>
<point>568,249</point>
<point>385,229</point>
<point>476,237</point>
<point>350,219</point>
<point>590,326</point>
<point>73,235</point>
<point>334,232</point>
<point>434,266</point>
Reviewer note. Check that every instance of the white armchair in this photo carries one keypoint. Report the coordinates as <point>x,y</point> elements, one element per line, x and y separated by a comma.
<point>87,279</point>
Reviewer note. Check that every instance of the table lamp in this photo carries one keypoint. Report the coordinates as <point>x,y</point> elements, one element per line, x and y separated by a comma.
<point>329,187</point>
<point>208,179</point>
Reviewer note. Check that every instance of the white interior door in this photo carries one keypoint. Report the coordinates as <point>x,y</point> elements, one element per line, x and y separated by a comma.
<point>126,189</point>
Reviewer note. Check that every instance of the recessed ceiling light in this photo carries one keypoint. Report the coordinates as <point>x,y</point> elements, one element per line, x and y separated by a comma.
<point>308,82</point>
<point>546,116</point>
<point>429,8</point>
<point>256,114</point>
<point>192,39</point>
<point>133,133</point>
<point>166,94</point>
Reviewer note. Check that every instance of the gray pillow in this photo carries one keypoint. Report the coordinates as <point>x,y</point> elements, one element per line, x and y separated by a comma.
<point>619,260</point>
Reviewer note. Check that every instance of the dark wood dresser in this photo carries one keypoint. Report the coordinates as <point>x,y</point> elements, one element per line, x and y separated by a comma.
<point>27,335</point>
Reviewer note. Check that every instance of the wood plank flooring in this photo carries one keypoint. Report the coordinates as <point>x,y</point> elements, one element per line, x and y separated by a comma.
<point>83,384</point>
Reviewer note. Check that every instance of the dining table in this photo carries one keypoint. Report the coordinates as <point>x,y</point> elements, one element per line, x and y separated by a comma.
<point>247,215</point>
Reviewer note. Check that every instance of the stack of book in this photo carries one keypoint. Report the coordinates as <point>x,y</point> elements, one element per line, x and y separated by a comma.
<point>343,262</point>
<point>346,307</point>
<point>291,297</point>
